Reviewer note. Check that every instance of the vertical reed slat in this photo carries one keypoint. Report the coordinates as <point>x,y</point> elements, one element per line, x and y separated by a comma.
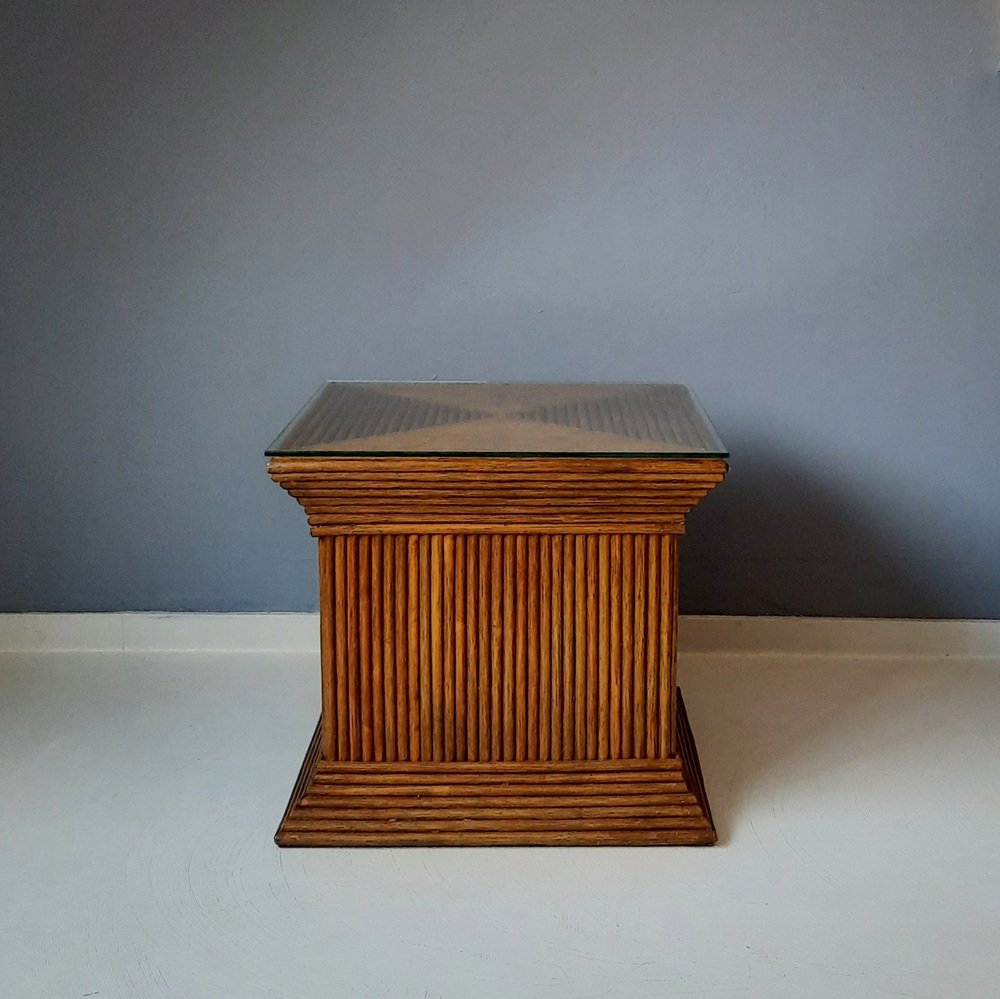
<point>556,661</point>
<point>389,689</point>
<point>459,612</point>
<point>326,647</point>
<point>508,642</point>
<point>424,668</point>
<point>602,595</point>
<point>529,571</point>
<point>375,637</point>
<point>340,637</point>
<point>580,644</point>
<point>413,658</point>
<point>445,700</point>
<point>675,570</point>
<point>435,615</point>
<point>521,692</point>
<point>639,649</point>
<point>569,649</point>
<point>353,677</point>
<point>614,584</point>
<point>485,652</point>
<point>668,640</point>
<point>543,645</point>
<point>628,602</point>
<point>472,645</point>
<point>402,655</point>
<point>593,588</point>
<point>652,649</point>
<point>364,688</point>
<point>496,647</point>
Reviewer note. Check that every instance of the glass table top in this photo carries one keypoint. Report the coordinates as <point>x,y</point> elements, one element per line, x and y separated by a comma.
<point>589,419</point>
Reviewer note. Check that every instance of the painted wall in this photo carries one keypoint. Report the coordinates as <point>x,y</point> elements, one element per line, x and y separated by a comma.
<point>791,205</point>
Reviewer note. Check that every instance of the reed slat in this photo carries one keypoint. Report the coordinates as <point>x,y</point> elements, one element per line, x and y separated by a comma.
<point>491,810</point>
<point>627,658</point>
<point>507,638</point>
<point>540,610</point>
<point>458,612</point>
<point>521,639</point>
<point>389,688</point>
<point>652,644</point>
<point>414,657</point>
<point>328,666</point>
<point>580,648</point>
<point>436,625</point>
<point>639,648</point>
<point>375,633</point>
<point>424,668</point>
<point>496,646</point>
<point>401,650</point>
<point>364,650</point>
<point>614,588</point>
<point>353,666</point>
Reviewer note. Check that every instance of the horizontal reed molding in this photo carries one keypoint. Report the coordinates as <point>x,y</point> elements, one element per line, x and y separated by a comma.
<point>524,495</point>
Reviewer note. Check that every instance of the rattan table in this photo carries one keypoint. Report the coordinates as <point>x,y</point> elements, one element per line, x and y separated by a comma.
<point>498,612</point>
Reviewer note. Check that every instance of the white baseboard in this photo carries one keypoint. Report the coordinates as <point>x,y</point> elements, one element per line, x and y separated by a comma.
<point>158,632</point>
<point>852,637</point>
<point>299,633</point>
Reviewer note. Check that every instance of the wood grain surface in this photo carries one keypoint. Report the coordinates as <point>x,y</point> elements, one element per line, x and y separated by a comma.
<point>580,803</point>
<point>494,612</point>
<point>533,630</point>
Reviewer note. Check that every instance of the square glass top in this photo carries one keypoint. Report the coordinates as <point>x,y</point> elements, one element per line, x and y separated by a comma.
<point>516,419</point>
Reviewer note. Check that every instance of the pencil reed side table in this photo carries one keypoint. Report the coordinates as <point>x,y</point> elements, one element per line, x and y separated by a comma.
<point>498,613</point>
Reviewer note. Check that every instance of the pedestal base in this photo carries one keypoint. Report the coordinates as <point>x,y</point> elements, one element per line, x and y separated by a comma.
<point>568,803</point>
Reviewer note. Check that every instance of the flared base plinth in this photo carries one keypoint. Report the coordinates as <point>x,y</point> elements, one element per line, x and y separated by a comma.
<point>579,803</point>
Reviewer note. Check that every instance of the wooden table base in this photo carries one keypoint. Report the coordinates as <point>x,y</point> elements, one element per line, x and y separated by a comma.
<point>572,803</point>
<point>498,645</point>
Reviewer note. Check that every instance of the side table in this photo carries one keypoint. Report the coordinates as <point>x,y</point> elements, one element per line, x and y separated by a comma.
<point>498,612</point>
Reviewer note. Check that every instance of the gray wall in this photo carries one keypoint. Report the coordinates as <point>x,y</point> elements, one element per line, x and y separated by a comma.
<point>791,205</point>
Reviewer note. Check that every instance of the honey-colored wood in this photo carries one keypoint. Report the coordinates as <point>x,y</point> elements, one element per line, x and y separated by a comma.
<point>653,663</point>
<point>425,668</point>
<point>327,626</point>
<point>602,590</point>
<point>413,658</point>
<point>375,639</point>
<point>401,648</point>
<point>437,708</point>
<point>568,652</point>
<point>599,803</point>
<point>580,647</point>
<point>614,597</point>
<point>639,648</point>
<point>621,627</point>
<point>498,646</point>
<point>362,667</point>
<point>339,668</point>
<point>461,689</point>
<point>353,666</point>
<point>544,650</point>
<point>627,610</point>
<point>389,689</point>
<point>556,585</point>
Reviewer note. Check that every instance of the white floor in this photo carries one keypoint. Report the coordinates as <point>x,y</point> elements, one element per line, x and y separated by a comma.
<point>858,804</point>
